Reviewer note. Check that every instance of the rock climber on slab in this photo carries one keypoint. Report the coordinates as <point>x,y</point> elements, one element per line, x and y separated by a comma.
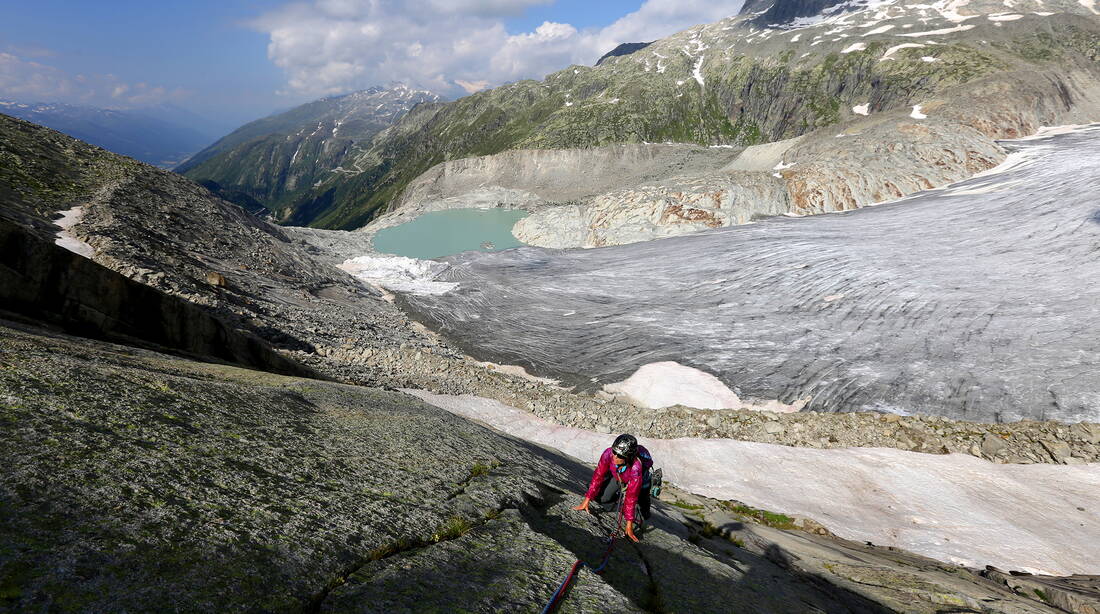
<point>629,464</point>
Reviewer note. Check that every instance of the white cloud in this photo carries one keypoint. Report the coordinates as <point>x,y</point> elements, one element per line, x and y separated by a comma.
<point>472,86</point>
<point>450,46</point>
<point>30,81</point>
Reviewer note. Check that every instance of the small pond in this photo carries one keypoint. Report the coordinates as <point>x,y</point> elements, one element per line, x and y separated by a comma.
<point>443,233</point>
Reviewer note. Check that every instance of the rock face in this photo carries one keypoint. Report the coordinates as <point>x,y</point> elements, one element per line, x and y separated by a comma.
<point>136,481</point>
<point>968,302</point>
<point>675,207</point>
<point>1071,594</point>
<point>51,284</point>
<point>834,169</point>
<point>786,11</point>
<point>559,176</point>
<point>547,181</point>
<point>622,49</point>
<point>893,579</point>
<point>732,83</point>
<point>273,160</point>
<point>899,499</point>
<point>169,233</point>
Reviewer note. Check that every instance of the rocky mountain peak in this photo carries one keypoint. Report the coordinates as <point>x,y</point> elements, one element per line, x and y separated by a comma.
<point>622,49</point>
<point>801,13</point>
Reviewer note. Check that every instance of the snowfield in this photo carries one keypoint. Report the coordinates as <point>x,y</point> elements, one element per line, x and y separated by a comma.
<point>399,273</point>
<point>65,237</point>
<point>955,508</point>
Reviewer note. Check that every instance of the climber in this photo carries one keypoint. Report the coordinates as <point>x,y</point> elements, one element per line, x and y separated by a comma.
<point>629,463</point>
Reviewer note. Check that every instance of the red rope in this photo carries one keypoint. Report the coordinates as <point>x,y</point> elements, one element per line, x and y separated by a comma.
<point>560,593</point>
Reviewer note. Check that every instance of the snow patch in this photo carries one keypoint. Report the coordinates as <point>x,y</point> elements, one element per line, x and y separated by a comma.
<point>929,59</point>
<point>663,384</point>
<point>794,39</point>
<point>65,237</point>
<point>951,507</point>
<point>1090,5</point>
<point>962,28</point>
<point>916,114</point>
<point>880,30</point>
<point>862,109</point>
<point>854,47</point>
<point>697,72</point>
<point>949,10</point>
<point>892,50</point>
<point>517,371</point>
<point>399,274</point>
<point>1049,131</point>
<point>1012,17</point>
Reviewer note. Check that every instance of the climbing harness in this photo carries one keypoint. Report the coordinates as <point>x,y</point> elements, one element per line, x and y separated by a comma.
<point>610,539</point>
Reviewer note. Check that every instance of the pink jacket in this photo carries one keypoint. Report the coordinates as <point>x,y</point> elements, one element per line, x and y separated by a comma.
<point>632,476</point>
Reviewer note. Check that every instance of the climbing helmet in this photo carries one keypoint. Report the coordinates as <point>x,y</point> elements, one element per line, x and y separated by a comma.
<point>625,446</point>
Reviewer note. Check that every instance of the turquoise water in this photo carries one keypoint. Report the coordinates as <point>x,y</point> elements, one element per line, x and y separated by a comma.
<point>443,233</point>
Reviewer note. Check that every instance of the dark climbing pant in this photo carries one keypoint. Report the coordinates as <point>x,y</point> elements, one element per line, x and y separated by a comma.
<point>609,494</point>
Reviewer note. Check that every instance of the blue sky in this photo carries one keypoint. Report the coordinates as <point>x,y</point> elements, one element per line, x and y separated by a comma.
<point>236,60</point>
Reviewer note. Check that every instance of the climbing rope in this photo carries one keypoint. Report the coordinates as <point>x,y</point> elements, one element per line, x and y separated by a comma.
<point>560,593</point>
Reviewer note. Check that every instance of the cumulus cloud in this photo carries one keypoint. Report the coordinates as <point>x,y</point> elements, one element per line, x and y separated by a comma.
<point>27,80</point>
<point>449,46</point>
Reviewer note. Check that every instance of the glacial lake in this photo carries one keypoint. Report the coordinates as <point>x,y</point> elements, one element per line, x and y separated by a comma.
<point>443,233</point>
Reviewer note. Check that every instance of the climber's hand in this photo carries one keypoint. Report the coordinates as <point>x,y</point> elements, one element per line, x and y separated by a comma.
<point>583,507</point>
<point>630,531</point>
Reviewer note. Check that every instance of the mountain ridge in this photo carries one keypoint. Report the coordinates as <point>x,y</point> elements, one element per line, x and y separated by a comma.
<point>726,83</point>
<point>143,135</point>
<point>272,159</point>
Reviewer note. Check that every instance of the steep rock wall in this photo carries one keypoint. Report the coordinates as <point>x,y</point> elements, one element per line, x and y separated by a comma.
<point>47,283</point>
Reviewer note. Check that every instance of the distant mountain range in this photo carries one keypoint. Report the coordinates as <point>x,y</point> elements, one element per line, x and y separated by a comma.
<point>163,136</point>
<point>279,160</point>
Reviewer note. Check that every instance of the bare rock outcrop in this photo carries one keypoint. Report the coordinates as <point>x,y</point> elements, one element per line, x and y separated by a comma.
<point>861,162</point>
<point>140,481</point>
